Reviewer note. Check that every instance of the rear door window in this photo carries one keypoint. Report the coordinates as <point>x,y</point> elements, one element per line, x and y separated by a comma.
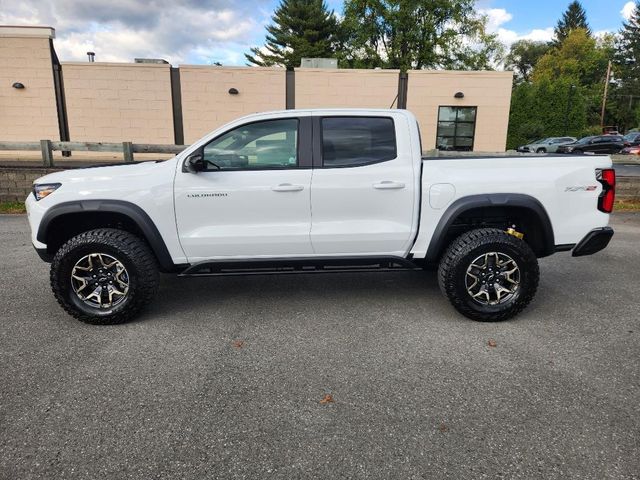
<point>356,141</point>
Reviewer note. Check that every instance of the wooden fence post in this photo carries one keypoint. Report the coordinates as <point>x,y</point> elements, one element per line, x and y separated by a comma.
<point>47,153</point>
<point>127,151</point>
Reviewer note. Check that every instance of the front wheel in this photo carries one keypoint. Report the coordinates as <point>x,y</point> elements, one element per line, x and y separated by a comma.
<point>488,274</point>
<point>104,276</point>
<point>541,150</point>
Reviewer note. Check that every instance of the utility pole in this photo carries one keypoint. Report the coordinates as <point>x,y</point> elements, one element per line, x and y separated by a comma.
<point>606,91</point>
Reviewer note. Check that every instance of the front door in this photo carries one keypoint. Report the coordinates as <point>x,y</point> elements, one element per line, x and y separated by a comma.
<point>363,193</point>
<point>253,199</point>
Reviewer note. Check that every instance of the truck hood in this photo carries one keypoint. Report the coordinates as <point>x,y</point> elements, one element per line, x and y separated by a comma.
<point>104,174</point>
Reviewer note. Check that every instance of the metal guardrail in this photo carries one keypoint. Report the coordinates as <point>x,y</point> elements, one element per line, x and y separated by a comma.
<point>47,147</point>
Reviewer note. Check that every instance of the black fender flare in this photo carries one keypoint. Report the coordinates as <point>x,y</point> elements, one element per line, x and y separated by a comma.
<point>464,204</point>
<point>130,210</point>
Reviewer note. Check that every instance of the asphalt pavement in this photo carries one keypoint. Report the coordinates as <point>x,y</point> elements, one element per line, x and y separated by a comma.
<point>226,377</point>
<point>627,170</point>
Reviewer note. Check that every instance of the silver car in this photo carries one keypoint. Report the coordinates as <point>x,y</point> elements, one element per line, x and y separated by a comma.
<point>546,145</point>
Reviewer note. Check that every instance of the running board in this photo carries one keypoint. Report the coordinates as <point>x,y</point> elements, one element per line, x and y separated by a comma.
<point>298,265</point>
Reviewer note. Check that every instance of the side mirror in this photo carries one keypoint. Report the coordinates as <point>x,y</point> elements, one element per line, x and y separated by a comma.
<point>194,163</point>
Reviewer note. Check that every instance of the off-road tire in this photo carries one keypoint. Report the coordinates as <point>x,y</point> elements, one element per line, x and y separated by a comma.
<point>127,248</point>
<point>461,253</point>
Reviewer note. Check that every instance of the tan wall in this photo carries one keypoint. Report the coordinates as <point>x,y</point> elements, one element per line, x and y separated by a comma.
<point>318,88</point>
<point>207,103</point>
<point>489,91</point>
<point>30,113</point>
<point>116,102</point>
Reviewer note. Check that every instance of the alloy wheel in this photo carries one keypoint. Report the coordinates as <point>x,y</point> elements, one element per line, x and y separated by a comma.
<point>493,278</point>
<point>100,280</point>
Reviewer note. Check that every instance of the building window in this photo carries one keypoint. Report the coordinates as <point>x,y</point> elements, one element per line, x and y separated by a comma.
<point>456,128</point>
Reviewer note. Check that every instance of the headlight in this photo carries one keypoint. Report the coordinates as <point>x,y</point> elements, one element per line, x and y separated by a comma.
<point>41,190</point>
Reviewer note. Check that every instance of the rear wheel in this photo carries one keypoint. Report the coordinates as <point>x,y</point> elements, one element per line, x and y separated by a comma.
<point>488,274</point>
<point>104,276</point>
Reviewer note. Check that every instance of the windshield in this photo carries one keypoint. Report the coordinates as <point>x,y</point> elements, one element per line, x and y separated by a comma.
<point>542,140</point>
<point>584,140</point>
<point>630,137</point>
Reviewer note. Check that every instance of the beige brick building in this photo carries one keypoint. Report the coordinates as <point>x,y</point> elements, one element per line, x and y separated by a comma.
<point>207,103</point>
<point>25,59</point>
<point>488,92</point>
<point>158,103</point>
<point>322,88</point>
<point>116,101</point>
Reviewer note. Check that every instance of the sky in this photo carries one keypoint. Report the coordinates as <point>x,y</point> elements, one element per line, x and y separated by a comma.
<point>208,31</point>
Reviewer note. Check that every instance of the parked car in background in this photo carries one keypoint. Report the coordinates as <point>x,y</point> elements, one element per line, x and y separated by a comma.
<point>611,130</point>
<point>632,139</point>
<point>596,144</point>
<point>546,145</point>
<point>635,150</point>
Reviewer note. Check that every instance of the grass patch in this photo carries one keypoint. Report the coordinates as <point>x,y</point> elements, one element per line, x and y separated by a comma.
<point>627,206</point>
<point>12,207</point>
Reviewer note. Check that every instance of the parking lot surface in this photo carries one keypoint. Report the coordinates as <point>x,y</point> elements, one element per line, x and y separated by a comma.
<point>225,377</point>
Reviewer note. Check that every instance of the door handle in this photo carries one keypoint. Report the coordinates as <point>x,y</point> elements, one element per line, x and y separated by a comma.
<point>287,187</point>
<point>388,185</point>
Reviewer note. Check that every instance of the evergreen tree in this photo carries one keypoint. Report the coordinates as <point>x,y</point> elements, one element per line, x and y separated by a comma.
<point>300,28</point>
<point>575,17</point>
<point>627,72</point>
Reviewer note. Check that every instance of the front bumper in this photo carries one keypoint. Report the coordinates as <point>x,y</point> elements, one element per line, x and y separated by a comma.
<point>35,212</point>
<point>594,241</point>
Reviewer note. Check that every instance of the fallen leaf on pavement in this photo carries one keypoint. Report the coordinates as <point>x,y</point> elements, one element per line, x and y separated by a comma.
<point>492,343</point>
<point>328,398</point>
<point>238,343</point>
<point>443,428</point>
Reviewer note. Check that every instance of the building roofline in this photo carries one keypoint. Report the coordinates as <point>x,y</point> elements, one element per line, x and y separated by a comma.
<point>33,31</point>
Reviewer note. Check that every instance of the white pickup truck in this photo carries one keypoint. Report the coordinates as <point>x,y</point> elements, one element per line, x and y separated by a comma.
<point>302,191</point>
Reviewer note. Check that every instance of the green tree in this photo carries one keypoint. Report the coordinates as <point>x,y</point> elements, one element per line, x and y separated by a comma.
<point>300,28</point>
<point>417,34</point>
<point>626,89</point>
<point>522,58</point>
<point>574,18</point>
<point>580,57</point>
<point>565,92</point>
<point>546,108</point>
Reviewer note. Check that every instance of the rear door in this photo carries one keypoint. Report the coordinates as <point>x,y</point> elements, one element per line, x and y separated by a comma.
<point>363,193</point>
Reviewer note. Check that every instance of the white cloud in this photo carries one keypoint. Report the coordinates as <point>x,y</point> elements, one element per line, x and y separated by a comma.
<point>627,10</point>
<point>495,17</point>
<point>120,30</point>
<point>509,37</point>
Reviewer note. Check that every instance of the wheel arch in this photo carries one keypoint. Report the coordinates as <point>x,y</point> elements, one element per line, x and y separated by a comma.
<point>505,206</point>
<point>68,219</point>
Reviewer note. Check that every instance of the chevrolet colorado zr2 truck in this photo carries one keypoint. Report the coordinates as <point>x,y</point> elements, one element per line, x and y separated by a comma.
<point>317,190</point>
